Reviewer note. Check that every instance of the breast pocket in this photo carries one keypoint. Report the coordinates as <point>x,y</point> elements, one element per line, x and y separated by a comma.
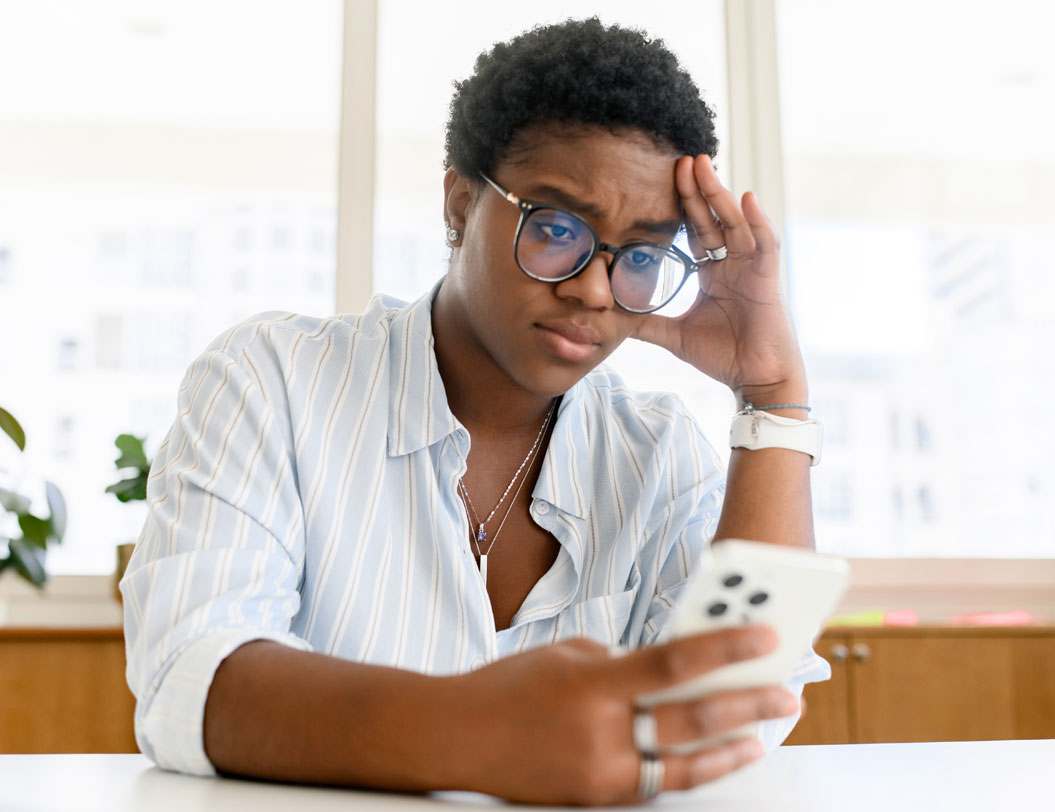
<point>605,619</point>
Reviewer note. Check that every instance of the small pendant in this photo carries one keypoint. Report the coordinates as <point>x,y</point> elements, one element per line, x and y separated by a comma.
<point>481,534</point>
<point>483,568</point>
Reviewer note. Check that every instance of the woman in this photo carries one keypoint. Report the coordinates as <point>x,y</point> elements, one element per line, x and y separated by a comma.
<point>396,549</point>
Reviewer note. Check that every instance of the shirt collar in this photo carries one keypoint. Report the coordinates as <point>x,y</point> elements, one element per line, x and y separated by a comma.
<point>568,466</point>
<point>418,414</point>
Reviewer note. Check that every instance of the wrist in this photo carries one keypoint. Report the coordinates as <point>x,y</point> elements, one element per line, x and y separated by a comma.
<point>785,396</point>
<point>454,736</point>
<point>476,753</point>
<point>756,429</point>
<point>415,740</point>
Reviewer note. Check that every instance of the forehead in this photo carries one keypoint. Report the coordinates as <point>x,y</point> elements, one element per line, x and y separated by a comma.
<point>613,172</point>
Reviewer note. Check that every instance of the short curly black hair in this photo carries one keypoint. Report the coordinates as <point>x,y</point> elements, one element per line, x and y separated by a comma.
<point>578,72</point>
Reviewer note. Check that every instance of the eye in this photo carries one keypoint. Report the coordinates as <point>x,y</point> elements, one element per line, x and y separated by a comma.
<point>641,260</point>
<point>555,231</point>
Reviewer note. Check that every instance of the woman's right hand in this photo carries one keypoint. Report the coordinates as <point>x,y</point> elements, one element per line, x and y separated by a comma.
<point>554,725</point>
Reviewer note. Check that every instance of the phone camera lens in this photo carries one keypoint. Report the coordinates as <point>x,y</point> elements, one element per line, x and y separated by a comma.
<point>717,609</point>
<point>733,580</point>
<point>758,598</point>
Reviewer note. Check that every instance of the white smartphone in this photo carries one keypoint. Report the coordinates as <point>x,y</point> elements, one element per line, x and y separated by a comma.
<point>738,583</point>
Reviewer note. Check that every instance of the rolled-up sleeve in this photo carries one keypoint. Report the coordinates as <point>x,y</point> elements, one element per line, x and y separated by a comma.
<point>811,668</point>
<point>220,559</point>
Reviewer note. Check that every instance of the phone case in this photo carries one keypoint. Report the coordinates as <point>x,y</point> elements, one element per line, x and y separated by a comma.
<point>737,582</point>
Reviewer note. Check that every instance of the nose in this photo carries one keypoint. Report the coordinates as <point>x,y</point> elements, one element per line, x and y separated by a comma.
<point>591,286</point>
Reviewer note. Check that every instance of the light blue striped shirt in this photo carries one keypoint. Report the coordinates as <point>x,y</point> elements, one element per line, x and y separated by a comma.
<point>307,493</point>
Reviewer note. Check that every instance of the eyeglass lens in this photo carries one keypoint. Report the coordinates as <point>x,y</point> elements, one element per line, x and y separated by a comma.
<point>554,245</point>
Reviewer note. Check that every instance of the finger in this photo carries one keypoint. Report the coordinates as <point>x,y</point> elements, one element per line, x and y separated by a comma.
<point>666,331</point>
<point>716,714</point>
<point>700,224</point>
<point>761,228</point>
<point>653,668</point>
<point>686,772</point>
<point>735,229</point>
<point>659,330</point>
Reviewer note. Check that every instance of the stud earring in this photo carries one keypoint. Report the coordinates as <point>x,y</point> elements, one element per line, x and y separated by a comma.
<point>453,234</point>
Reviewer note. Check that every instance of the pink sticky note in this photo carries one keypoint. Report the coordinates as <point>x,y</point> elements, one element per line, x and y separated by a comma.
<point>1018,617</point>
<point>901,617</point>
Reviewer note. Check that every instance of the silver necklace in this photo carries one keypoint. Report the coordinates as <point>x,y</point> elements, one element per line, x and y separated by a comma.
<point>470,510</point>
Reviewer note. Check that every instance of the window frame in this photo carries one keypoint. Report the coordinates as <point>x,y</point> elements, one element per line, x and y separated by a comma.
<point>356,157</point>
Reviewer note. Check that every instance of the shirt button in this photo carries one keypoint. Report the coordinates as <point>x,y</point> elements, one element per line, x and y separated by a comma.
<point>543,507</point>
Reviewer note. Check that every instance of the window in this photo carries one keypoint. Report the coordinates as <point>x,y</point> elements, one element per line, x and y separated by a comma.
<point>167,163</point>
<point>65,435</point>
<point>109,344</point>
<point>835,503</point>
<point>67,355</point>
<point>919,258</point>
<point>920,263</point>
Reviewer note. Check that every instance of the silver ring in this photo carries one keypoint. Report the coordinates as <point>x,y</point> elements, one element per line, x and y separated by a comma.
<point>646,739</point>
<point>716,254</point>
<point>650,784</point>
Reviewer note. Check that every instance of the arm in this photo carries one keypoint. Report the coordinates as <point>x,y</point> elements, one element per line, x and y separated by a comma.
<point>278,713</point>
<point>739,331</point>
<point>768,496</point>
<point>552,725</point>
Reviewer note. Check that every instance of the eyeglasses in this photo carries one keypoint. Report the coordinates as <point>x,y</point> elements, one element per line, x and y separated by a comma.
<point>554,244</point>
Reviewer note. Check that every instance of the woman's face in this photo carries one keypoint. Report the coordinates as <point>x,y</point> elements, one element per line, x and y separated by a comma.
<point>546,336</point>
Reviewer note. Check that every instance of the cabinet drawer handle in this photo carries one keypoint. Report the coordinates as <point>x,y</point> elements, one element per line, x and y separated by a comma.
<point>839,653</point>
<point>861,653</point>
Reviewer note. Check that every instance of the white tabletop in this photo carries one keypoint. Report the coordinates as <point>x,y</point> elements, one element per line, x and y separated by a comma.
<point>962,776</point>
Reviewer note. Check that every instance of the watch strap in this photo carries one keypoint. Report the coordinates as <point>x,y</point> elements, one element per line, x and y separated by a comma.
<point>754,429</point>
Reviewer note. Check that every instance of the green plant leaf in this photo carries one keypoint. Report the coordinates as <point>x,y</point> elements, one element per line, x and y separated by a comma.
<point>14,502</point>
<point>57,506</point>
<point>12,429</point>
<point>28,562</point>
<point>130,490</point>
<point>34,529</point>
<point>132,453</point>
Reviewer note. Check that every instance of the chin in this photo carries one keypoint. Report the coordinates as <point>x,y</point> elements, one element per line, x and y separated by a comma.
<point>552,378</point>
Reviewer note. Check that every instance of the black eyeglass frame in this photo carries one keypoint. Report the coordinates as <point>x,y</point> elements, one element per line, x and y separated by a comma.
<point>526,207</point>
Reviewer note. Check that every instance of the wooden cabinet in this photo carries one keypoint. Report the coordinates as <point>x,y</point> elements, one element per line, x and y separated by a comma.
<point>932,684</point>
<point>64,691</point>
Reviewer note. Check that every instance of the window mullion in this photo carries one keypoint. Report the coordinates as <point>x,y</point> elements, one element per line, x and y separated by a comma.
<point>755,156</point>
<point>356,173</point>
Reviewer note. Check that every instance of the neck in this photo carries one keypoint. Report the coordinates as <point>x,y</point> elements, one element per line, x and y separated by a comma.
<point>480,394</point>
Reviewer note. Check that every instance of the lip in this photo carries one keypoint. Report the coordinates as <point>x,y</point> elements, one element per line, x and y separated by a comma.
<point>569,340</point>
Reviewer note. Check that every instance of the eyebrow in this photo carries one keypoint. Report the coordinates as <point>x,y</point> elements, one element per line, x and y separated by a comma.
<point>662,228</point>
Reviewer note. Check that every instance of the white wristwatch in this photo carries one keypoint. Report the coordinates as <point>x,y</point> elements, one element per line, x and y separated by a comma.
<point>754,429</point>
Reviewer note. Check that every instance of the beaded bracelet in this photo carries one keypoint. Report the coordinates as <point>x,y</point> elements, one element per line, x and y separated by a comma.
<point>750,407</point>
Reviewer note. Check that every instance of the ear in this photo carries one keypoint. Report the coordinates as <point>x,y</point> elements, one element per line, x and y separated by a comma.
<point>457,197</point>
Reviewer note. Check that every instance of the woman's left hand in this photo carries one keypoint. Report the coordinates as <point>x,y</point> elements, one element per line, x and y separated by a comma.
<point>739,329</point>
